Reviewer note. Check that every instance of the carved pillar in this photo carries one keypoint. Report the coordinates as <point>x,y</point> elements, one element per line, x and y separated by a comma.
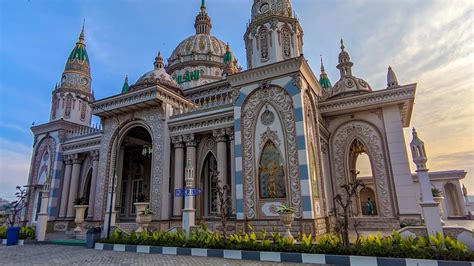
<point>192,142</point>
<point>76,170</point>
<point>221,139</point>
<point>42,223</point>
<point>178,173</point>
<point>230,133</point>
<point>66,183</point>
<point>95,166</point>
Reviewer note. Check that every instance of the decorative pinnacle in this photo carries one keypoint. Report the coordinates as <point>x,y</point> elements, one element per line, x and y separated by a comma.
<point>322,66</point>
<point>126,79</point>
<point>342,45</point>
<point>203,4</point>
<point>159,61</point>
<point>81,35</point>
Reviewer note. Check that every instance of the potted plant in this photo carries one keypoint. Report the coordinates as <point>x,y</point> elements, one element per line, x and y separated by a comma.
<point>13,215</point>
<point>438,198</point>
<point>287,216</point>
<point>80,205</point>
<point>141,204</point>
<point>145,217</point>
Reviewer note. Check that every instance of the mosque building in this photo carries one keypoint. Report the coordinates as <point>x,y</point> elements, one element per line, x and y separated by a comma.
<point>275,133</point>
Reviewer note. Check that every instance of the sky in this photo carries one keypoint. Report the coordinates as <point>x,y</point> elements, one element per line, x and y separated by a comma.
<point>430,43</point>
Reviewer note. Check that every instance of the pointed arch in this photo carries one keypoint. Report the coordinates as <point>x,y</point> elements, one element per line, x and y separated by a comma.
<point>341,142</point>
<point>271,172</point>
<point>263,36</point>
<point>286,41</point>
<point>208,203</point>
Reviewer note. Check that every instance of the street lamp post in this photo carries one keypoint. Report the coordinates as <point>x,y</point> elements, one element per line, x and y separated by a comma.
<point>115,167</point>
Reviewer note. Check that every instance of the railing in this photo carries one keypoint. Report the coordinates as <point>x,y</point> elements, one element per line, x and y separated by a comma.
<point>84,131</point>
<point>207,101</point>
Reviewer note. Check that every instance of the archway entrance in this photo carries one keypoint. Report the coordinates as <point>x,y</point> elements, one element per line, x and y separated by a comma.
<point>361,169</point>
<point>208,201</point>
<point>134,171</point>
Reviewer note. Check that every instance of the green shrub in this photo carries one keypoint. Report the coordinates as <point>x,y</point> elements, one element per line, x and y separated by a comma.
<point>27,232</point>
<point>3,232</point>
<point>436,247</point>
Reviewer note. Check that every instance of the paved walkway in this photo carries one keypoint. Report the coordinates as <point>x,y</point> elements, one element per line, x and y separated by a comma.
<point>53,254</point>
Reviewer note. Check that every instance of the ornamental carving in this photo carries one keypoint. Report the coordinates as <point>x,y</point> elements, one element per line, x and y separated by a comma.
<point>269,135</point>
<point>367,134</point>
<point>283,104</point>
<point>267,118</point>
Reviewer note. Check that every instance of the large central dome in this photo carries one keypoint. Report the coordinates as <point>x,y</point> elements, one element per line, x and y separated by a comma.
<point>199,59</point>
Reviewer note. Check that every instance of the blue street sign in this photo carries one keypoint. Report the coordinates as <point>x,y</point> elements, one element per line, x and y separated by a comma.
<point>187,192</point>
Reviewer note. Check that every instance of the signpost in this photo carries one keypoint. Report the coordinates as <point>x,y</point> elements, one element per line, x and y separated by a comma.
<point>187,192</point>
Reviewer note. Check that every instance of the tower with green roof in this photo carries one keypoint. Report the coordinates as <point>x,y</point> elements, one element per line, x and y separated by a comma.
<point>70,99</point>
<point>323,78</point>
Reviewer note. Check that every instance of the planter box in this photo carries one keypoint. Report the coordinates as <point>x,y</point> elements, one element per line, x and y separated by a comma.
<point>279,256</point>
<point>21,242</point>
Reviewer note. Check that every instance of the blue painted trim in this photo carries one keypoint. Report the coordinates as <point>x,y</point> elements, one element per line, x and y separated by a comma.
<point>291,88</point>
<point>304,172</point>
<point>239,205</point>
<point>301,142</point>
<point>238,178</point>
<point>241,99</point>
<point>237,124</point>
<point>298,114</point>
<point>306,203</point>
<point>238,150</point>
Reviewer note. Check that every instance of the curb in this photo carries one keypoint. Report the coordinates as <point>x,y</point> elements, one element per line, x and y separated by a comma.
<point>279,256</point>
<point>21,242</point>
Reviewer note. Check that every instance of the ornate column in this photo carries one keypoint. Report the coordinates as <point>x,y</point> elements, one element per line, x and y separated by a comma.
<point>221,139</point>
<point>66,183</point>
<point>42,223</point>
<point>191,143</point>
<point>178,173</point>
<point>95,166</point>
<point>76,170</point>
<point>230,133</point>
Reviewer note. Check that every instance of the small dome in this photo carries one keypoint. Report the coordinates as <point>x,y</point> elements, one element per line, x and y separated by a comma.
<point>197,47</point>
<point>157,75</point>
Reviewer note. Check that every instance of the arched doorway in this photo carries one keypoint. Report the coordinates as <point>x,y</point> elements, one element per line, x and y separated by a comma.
<point>134,171</point>
<point>452,200</point>
<point>361,169</point>
<point>208,201</point>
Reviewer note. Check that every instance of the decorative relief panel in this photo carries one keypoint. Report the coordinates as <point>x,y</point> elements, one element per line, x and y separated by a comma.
<point>283,102</point>
<point>367,134</point>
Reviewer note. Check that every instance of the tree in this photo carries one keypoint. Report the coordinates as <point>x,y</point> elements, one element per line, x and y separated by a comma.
<point>224,202</point>
<point>345,203</point>
<point>17,206</point>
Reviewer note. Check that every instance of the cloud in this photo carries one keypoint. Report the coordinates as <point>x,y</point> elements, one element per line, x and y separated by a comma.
<point>14,166</point>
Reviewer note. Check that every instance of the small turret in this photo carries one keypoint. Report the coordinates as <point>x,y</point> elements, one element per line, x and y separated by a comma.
<point>392,81</point>
<point>203,21</point>
<point>418,152</point>
<point>230,62</point>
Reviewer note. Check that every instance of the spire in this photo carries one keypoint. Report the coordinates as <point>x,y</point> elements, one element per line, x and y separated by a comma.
<point>323,77</point>
<point>345,64</point>
<point>81,35</point>
<point>230,63</point>
<point>202,23</point>
<point>418,152</point>
<point>159,61</point>
<point>125,87</point>
<point>392,81</point>
<point>79,52</point>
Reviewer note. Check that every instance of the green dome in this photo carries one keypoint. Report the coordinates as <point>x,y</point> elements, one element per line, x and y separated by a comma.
<point>228,56</point>
<point>79,52</point>
<point>325,82</point>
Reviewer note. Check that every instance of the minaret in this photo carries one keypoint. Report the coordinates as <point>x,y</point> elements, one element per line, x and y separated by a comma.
<point>75,85</point>
<point>323,78</point>
<point>429,206</point>
<point>203,21</point>
<point>392,81</point>
<point>274,33</point>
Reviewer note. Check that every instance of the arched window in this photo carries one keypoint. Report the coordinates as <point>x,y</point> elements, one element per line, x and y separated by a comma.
<point>67,111</point>
<point>83,110</point>
<point>263,35</point>
<point>286,36</point>
<point>271,173</point>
